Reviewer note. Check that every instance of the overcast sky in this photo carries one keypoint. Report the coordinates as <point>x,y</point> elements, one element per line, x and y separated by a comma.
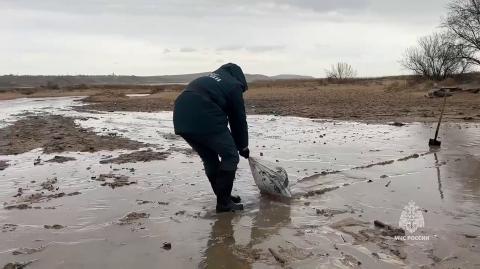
<point>155,37</point>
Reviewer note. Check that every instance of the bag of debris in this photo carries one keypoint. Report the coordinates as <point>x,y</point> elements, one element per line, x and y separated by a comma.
<point>270,178</point>
<point>442,92</point>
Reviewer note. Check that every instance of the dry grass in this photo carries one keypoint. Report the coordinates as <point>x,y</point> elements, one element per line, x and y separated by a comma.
<point>384,99</point>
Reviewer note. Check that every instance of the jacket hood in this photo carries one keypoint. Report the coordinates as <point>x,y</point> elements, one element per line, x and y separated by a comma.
<point>236,72</point>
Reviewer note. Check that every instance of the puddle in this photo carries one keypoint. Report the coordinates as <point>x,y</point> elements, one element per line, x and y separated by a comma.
<point>338,170</point>
<point>137,94</point>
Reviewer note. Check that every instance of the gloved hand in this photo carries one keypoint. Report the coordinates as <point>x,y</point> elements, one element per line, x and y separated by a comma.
<point>245,153</point>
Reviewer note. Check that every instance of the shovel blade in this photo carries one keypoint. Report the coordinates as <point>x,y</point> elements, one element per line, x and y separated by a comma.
<point>434,143</point>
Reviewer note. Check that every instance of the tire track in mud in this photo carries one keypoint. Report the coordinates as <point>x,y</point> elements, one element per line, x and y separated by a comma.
<point>332,188</point>
<point>382,163</point>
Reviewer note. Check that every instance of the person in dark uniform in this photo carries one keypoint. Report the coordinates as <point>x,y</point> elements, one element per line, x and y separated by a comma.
<point>201,116</point>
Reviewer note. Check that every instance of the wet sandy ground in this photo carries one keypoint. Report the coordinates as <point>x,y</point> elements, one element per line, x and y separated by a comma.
<point>88,212</point>
<point>367,102</point>
<point>377,100</point>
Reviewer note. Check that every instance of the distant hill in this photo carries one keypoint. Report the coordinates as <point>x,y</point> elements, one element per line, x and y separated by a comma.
<point>288,76</point>
<point>36,81</point>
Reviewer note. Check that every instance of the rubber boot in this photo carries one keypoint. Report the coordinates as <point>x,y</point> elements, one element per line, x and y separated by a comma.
<point>223,186</point>
<point>236,199</point>
<point>212,179</point>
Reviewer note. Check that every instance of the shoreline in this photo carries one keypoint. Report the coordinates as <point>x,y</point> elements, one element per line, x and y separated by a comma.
<point>382,101</point>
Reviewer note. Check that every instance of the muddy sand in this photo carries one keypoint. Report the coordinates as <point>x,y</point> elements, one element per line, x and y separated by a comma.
<point>138,156</point>
<point>3,164</point>
<point>139,199</point>
<point>400,99</point>
<point>374,100</point>
<point>55,134</point>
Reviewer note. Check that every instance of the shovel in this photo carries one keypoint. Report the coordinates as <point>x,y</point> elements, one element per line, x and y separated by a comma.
<point>433,142</point>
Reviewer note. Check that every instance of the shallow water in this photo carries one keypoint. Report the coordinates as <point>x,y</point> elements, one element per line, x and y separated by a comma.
<point>137,94</point>
<point>444,183</point>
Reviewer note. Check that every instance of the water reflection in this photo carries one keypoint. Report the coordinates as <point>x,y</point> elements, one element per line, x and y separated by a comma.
<point>222,251</point>
<point>220,246</point>
<point>437,166</point>
<point>272,215</point>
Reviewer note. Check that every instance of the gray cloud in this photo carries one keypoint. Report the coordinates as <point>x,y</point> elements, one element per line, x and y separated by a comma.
<point>256,48</point>
<point>265,48</point>
<point>188,49</point>
<point>230,48</point>
<point>326,5</point>
<point>205,8</point>
<point>272,36</point>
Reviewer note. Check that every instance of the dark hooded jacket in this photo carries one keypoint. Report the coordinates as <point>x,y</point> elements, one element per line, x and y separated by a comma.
<point>209,103</point>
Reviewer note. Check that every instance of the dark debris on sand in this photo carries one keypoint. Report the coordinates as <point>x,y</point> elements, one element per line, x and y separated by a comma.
<point>60,159</point>
<point>388,230</point>
<point>16,265</point>
<point>49,184</point>
<point>114,180</point>
<point>53,227</point>
<point>56,133</point>
<point>167,246</point>
<point>27,251</point>
<point>138,156</point>
<point>397,124</point>
<point>25,202</point>
<point>413,156</point>
<point>3,165</point>
<point>132,217</point>
<point>8,227</point>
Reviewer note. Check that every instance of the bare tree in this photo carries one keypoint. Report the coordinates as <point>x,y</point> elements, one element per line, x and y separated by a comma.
<point>463,20</point>
<point>436,57</point>
<point>341,71</point>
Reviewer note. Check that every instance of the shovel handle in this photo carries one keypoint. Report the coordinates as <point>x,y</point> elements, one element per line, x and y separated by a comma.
<point>441,116</point>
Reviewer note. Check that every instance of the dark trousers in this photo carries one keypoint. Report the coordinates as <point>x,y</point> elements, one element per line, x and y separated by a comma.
<point>212,147</point>
<point>218,153</point>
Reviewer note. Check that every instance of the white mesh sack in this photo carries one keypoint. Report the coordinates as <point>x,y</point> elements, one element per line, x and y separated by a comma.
<point>269,177</point>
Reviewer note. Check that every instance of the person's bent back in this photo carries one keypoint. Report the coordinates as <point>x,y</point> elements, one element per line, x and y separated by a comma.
<point>201,116</point>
